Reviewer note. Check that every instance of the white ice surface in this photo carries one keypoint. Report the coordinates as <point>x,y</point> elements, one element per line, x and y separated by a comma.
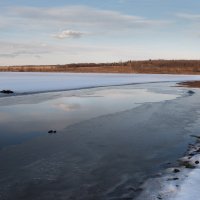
<point>40,82</point>
<point>190,189</point>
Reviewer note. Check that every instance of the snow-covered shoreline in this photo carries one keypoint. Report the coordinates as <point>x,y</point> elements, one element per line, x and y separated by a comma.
<point>29,82</point>
<point>176,183</point>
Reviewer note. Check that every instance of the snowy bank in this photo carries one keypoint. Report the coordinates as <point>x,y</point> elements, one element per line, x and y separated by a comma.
<point>179,183</point>
<point>28,82</point>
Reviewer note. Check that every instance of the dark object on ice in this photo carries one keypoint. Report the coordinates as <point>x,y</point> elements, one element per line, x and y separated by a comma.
<point>159,197</point>
<point>189,165</point>
<point>52,132</point>
<point>7,91</point>
<point>197,162</point>
<point>176,170</point>
<point>173,179</point>
<point>198,151</point>
<point>191,92</point>
<point>195,136</point>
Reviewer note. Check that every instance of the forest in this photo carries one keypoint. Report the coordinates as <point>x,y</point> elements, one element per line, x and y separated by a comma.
<point>147,66</point>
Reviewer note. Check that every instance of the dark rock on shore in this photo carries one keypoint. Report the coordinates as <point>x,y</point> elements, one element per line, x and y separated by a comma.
<point>188,165</point>
<point>6,91</point>
<point>176,170</point>
<point>52,131</point>
<point>191,92</point>
<point>173,179</point>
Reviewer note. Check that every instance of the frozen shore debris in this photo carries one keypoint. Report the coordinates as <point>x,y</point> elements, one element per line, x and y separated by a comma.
<point>6,91</point>
<point>176,170</point>
<point>191,92</point>
<point>52,131</point>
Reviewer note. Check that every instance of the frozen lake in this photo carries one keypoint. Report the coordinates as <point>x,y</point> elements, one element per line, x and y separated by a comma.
<point>57,110</point>
<point>26,82</point>
<point>109,140</point>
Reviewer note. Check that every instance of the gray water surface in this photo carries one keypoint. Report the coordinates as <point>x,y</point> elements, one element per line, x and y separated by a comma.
<point>27,116</point>
<point>109,140</point>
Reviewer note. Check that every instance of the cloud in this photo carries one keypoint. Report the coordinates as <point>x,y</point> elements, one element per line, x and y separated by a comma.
<point>84,17</point>
<point>4,22</point>
<point>8,55</point>
<point>69,34</point>
<point>14,49</point>
<point>193,17</point>
<point>35,49</point>
<point>28,31</point>
<point>191,24</point>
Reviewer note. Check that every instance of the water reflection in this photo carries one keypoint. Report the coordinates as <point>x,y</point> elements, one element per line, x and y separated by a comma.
<point>24,117</point>
<point>105,152</point>
<point>66,107</point>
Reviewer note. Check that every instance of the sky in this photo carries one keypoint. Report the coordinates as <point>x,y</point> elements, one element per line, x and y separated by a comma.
<point>34,32</point>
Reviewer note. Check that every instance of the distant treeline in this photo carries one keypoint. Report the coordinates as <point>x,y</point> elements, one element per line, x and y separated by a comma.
<point>148,66</point>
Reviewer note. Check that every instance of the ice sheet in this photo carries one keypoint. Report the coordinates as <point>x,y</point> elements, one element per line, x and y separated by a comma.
<point>41,82</point>
<point>161,188</point>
